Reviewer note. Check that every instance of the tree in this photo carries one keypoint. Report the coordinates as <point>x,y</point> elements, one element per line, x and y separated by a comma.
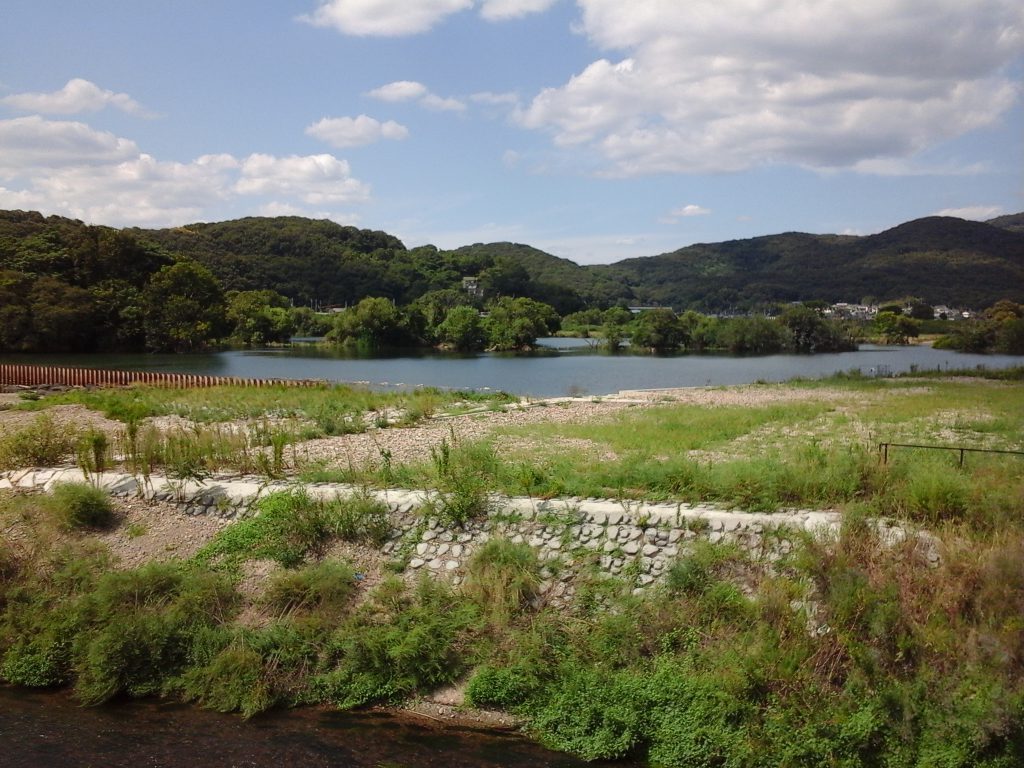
<point>15,316</point>
<point>752,336</point>
<point>184,308</point>
<point>462,329</point>
<point>615,329</point>
<point>658,330</point>
<point>371,324</point>
<point>505,278</point>
<point>428,312</point>
<point>517,323</point>
<point>810,332</point>
<point>119,315</point>
<point>61,316</point>
<point>894,328</point>
<point>259,317</point>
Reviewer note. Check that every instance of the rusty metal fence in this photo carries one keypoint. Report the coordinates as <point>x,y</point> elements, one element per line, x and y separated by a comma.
<point>47,375</point>
<point>883,450</point>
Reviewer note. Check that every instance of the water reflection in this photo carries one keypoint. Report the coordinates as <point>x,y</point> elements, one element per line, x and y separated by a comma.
<point>49,729</point>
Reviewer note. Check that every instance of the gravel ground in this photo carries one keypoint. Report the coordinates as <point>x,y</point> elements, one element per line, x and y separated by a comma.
<point>411,444</point>
<point>151,530</point>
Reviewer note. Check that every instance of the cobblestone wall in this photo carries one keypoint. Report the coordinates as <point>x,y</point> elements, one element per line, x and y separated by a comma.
<point>635,540</point>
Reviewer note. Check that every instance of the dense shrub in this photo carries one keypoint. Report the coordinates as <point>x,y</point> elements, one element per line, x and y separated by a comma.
<point>289,526</point>
<point>324,587</point>
<point>501,576</point>
<point>81,505</point>
<point>44,443</point>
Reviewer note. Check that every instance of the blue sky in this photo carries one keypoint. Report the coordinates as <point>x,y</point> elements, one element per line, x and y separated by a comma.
<point>595,130</point>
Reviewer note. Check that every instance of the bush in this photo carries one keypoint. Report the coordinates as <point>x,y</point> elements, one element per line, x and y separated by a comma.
<point>500,687</point>
<point>233,679</point>
<point>501,577</point>
<point>383,659</point>
<point>43,443</point>
<point>324,587</point>
<point>694,573</point>
<point>360,517</point>
<point>595,715</point>
<point>142,626</point>
<point>80,505</point>
<point>287,527</point>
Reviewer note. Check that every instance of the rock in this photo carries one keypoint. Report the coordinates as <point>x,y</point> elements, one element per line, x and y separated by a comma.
<point>422,547</point>
<point>650,549</point>
<point>417,562</point>
<point>631,548</point>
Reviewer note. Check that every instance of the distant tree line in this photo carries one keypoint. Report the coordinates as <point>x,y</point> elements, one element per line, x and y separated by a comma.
<point>797,329</point>
<point>1000,329</point>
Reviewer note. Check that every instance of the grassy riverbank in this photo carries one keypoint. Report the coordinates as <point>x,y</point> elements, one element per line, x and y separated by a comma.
<point>848,651</point>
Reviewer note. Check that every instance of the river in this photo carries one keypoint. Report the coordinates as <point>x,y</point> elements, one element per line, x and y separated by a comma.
<point>568,366</point>
<point>39,730</point>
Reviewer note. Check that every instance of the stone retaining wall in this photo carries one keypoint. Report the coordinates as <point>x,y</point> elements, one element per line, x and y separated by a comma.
<point>635,540</point>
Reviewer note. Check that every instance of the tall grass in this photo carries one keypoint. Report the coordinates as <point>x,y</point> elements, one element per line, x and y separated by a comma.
<point>501,578</point>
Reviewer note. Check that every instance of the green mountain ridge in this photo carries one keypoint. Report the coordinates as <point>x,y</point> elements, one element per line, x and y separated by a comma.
<point>938,259</point>
<point>318,262</point>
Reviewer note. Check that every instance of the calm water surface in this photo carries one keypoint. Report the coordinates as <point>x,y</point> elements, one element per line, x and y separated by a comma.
<point>569,367</point>
<point>40,730</point>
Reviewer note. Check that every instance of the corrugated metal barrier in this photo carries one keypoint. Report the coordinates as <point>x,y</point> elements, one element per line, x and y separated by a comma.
<point>47,375</point>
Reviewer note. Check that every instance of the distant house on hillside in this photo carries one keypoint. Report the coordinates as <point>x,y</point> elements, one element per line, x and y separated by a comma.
<point>471,285</point>
<point>638,310</point>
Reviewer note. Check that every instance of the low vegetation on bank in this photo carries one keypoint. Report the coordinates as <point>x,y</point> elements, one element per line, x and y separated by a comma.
<point>850,650</point>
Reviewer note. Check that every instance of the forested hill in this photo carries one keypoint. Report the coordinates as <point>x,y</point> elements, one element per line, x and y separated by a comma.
<point>319,263</point>
<point>941,260</point>
<point>309,261</point>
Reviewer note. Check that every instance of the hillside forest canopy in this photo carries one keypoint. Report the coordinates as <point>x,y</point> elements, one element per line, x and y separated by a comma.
<point>66,286</point>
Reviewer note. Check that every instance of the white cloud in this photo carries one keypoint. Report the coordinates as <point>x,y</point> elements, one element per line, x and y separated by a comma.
<point>384,18</point>
<point>400,90</point>
<point>495,99</point>
<point>441,104</point>
<point>32,142</point>
<point>972,212</point>
<point>287,209</point>
<point>511,159</point>
<point>313,179</point>
<point>499,10</point>
<point>689,210</point>
<point>70,169</point>
<point>396,18</point>
<point>344,132</point>
<point>409,90</point>
<point>76,96</point>
<point>723,85</point>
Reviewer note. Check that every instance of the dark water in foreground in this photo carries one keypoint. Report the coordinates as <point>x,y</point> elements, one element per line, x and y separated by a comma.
<point>569,367</point>
<point>39,730</point>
